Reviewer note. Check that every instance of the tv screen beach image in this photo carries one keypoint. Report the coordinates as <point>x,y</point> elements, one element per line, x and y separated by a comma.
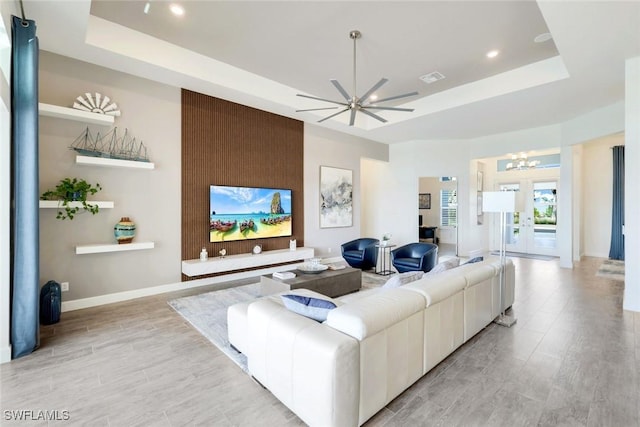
<point>241,213</point>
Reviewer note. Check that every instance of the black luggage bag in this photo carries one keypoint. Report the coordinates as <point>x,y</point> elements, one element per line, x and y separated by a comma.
<point>50,303</point>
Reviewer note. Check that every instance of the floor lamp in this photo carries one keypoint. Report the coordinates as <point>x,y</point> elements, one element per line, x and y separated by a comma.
<point>501,202</point>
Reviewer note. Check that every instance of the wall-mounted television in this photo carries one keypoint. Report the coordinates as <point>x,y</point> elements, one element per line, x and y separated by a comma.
<point>242,213</point>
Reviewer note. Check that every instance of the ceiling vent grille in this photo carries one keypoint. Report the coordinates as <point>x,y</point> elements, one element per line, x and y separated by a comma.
<point>432,77</point>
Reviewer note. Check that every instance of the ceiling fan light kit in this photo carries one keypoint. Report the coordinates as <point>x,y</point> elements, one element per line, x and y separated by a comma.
<point>354,103</point>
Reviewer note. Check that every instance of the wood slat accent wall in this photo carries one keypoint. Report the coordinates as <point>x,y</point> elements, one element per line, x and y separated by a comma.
<point>224,143</point>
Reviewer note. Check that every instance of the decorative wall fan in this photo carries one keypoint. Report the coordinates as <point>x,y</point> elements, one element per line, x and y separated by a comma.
<point>353,103</point>
<point>96,103</point>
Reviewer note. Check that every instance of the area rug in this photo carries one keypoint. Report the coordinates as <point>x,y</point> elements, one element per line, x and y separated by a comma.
<point>611,269</point>
<point>207,312</point>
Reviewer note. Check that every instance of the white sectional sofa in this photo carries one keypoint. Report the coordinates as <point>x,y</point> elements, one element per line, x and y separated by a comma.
<point>372,347</point>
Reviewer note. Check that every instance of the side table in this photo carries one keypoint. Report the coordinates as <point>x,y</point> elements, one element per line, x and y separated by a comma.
<point>384,254</point>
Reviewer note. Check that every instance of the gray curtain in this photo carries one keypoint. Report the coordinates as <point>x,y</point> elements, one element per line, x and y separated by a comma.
<point>616,251</point>
<point>25,273</point>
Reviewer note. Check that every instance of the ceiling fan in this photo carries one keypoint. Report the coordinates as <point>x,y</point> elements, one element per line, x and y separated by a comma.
<point>353,103</point>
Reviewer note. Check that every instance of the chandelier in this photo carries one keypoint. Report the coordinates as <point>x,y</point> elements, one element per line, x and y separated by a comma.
<point>521,162</point>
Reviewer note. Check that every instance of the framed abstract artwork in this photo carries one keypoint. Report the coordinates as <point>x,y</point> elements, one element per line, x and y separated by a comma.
<point>336,197</point>
<point>424,201</point>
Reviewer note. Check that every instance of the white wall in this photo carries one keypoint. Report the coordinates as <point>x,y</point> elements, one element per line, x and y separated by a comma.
<point>632,178</point>
<point>597,166</point>
<point>413,159</point>
<point>151,112</point>
<point>375,186</point>
<point>578,214</point>
<point>324,147</point>
<point>565,206</point>
<point>5,187</point>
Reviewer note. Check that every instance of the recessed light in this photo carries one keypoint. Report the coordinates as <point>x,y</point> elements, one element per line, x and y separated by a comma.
<point>373,97</point>
<point>492,53</point>
<point>541,38</point>
<point>176,9</point>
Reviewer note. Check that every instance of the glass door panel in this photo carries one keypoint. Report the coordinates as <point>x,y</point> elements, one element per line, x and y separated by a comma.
<point>515,241</point>
<point>542,236</point>
<point>533,229</point>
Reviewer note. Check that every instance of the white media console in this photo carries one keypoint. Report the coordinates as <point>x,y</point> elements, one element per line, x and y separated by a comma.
<point>195,267</point>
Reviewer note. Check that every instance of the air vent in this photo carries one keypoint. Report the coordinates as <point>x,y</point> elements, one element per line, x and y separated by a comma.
<point>432,77</point>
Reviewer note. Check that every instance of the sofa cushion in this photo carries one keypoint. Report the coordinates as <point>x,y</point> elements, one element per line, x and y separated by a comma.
<point>444,266</point>
<point>403,279</point>
<point>237,325</point>
<point>315,307</point>
<point>439,286</point>
<point>354,296</point>
<point>475,273</point>
<point>368,316</point>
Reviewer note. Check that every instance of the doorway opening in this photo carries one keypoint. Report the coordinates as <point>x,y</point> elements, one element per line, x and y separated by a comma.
<point>438,213</point>
<point>533,228</point>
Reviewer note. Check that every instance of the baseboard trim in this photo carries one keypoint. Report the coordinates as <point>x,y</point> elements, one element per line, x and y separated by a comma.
<point>82,303</point>
<point>5,354</point>
<point>597,255</point>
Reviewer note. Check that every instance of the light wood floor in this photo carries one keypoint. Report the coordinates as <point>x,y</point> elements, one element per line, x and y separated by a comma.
<point>572,359</point>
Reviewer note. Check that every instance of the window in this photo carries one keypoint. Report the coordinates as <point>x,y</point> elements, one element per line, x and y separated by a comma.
<point>448,208</point>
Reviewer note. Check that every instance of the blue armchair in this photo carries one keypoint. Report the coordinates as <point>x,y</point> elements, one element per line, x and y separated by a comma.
<point>361,253</point>
<point>415,257</point>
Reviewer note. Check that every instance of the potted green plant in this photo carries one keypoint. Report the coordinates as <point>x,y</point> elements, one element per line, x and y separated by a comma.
<point>73,190</point>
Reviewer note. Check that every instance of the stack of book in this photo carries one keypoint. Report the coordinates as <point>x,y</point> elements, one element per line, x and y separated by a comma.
<point>284,275</point>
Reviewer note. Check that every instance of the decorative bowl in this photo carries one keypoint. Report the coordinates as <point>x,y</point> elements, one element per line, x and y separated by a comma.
<point>311,268</point>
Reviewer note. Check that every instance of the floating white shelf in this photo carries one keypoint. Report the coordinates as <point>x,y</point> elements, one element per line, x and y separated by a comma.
<point>102,248</point>
<point>57,204</point>
<point>195,267</point>
<point>49,110</point>
<point>113,163</point>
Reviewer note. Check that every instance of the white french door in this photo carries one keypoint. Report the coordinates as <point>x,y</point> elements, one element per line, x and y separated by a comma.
<point>533,229</point>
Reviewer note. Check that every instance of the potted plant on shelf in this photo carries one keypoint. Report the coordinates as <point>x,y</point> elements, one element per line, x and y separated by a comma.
<point>73,190</point>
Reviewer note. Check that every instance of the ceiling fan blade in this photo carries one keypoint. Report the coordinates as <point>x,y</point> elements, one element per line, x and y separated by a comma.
<point>320,99</point>
<point>396,97</point>
<point>375,116</point>
<point>316,109</point>
<point>375,87</point>
<point>373,107</point>
<point>341,89</point>
<point>333,115</point>
<point>352,119</point>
